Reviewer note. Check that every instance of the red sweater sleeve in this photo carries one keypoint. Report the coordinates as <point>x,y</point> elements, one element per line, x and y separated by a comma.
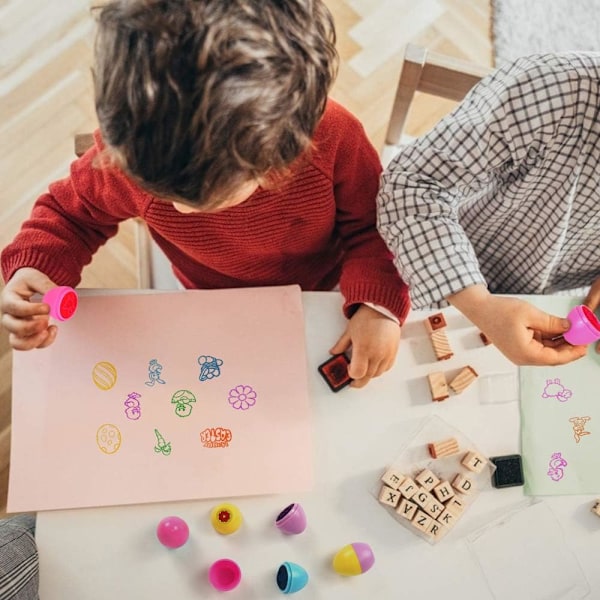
<point>71,221</point>
<point>368,272</point>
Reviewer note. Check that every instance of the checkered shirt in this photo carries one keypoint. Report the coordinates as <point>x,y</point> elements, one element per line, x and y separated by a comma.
<point>506,189</point>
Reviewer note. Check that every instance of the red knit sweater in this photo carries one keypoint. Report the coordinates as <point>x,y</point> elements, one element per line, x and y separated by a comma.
<point>317,229</point>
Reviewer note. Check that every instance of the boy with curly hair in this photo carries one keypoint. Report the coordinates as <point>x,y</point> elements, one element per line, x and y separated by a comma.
<point>216,129</point>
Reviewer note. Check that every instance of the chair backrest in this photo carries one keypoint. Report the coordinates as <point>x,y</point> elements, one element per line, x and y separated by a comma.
<point>430,73</point>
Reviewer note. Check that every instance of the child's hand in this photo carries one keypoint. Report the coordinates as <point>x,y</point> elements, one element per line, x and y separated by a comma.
<point>592,301</point>
<point>522,332</point>
<point>374,339</point>
<point>27,322</point>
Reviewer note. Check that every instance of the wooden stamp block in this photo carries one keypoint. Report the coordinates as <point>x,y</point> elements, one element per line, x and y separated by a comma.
<point>435,508</point>
<point>463,484</point>
<point>463,380</point>
<point>441,345</point>
<point>393,478</point>
<point>423,498</point>
<point>408,488</point>
<point>474,461</point>
<point>438,386</point>
<point>407,509</point>
<point>437,530</point>
<point>443,492</point>
<point>596,508</point>
<point>421,521</point>
<point>389,496</point>
<point>435,322</point>
<point>448,518</point>
<point>443,448</point>
<point>455,506</point>
<point>427,480</point>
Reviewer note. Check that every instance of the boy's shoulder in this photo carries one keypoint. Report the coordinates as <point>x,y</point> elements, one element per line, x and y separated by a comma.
<point>94,173</point>
<point>553,72</point>
<point>337,129</point>
<point>337,119</point>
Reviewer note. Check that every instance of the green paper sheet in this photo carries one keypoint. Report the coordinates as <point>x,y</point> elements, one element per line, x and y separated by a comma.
<point>560,421</point>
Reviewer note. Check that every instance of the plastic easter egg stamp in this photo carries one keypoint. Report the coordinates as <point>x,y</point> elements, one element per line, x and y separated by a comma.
<point>353,559</point>
<point>62,301</point>
<point>429,487</point>
<point>172,532</point>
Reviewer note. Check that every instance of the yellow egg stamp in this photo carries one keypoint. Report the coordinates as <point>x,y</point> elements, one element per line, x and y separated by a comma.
<point>104,375</point>
<point>108,438</point>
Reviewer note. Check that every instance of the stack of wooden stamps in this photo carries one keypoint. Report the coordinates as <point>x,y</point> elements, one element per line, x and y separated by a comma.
<point>431,495</point>
<point>439,385</point>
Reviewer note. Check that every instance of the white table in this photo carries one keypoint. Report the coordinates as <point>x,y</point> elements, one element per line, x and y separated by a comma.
<point>94,554</point>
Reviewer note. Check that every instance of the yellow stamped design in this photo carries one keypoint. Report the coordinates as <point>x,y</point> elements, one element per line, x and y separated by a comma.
<point>108,438</point>
<point>104,375</point>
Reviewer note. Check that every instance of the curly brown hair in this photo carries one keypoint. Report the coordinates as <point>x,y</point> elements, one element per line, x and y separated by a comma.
<point>197,97</point>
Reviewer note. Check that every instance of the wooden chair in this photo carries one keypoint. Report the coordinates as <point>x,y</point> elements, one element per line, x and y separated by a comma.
<point>430,73</point>
<point>153,267</point>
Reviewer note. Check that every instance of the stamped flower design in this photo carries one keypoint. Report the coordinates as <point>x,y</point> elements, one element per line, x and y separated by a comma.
<point>242,397</point>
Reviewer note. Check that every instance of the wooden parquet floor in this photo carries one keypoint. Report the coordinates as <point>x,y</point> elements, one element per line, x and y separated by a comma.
<point>46,97</point>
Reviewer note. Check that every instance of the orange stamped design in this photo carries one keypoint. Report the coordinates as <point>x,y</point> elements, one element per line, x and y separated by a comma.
<point>579,427</point>
<point>216,437</point>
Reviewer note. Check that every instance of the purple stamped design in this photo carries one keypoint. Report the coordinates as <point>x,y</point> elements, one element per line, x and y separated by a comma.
<point>556,464</point>
<point>555,389</point>
<point>242,397</point>
<point>133,410</point>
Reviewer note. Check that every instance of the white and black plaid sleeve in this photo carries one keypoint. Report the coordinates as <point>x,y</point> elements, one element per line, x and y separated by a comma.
<point>468,202</point>
<point>19,567</point>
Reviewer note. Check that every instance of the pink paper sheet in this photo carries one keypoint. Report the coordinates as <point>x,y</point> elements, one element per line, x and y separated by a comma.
<point>210,400</point>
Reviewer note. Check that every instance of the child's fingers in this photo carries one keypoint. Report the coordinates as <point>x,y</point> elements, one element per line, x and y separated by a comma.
<point>363,369</point>
<point>359,366</point>
<point>39,340</point>
<point>25,328</point>
<point>342,344</point>
<point>562,354</point>
<point>362,381</point>
<point>13,304</point>
<point>592,300</point>
<point>52,331</point>
<point>548,325</point>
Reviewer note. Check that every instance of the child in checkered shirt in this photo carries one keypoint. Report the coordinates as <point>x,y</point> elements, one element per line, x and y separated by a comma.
<point>502,197</point>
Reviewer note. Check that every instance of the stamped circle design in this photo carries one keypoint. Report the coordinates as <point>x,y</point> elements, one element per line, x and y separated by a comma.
<point>108,438</point>
<point>104,375</point>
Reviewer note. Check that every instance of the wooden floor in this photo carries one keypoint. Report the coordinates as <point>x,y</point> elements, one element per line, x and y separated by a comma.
<point>46,97</point>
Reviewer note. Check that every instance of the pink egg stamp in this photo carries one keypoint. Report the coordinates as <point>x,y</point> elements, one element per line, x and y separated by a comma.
<point>172,532</point>
<point>62,301</point>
